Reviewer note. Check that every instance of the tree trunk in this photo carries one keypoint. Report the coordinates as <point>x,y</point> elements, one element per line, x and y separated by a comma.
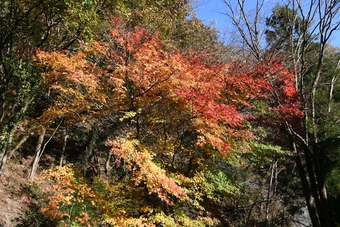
<point>307,193</point>
<point>313,185</point>
<point>7,148</point>
<point>107,164</point>
<point>269,194</point>
<point>324,213</point>
<point>38,153</point>
<point>62,156</point>
<point>21,142</point>
<point>39,150</point>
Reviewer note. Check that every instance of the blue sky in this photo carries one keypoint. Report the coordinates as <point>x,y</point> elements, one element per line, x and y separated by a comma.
<point>211,13</point>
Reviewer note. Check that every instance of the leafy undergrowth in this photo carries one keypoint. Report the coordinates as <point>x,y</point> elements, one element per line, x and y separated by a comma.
<point>67,198</point>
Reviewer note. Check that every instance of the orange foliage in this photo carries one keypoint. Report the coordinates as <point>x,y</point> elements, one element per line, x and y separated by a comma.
<point>62,189</point>
<point>163,95</point>
<point>74,85</point>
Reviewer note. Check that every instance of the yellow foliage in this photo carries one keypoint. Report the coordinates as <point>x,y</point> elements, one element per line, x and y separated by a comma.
<point>155,177</point>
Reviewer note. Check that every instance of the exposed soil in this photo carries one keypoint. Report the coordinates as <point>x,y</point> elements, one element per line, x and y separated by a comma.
<point>13,199</point>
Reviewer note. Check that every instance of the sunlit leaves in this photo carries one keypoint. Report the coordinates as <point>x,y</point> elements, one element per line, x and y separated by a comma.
<point>66,196</point>
<point>175,112</point>
<point>148,172</point>
<point>73,82</point>
<point>272,83</point>
<point>289,102</point>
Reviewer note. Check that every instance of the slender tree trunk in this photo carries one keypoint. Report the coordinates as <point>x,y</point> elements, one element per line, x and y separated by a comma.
<point>8,145</point>
<point>331,88</point>
<point>39,150</point>
<point>307,191</point>
<point>62,156</point>
<point>269,194</point>
<point>21,142</point>
<point>38,153</point>
<point>3,112</point>
<point>107,164</point>
<point>7,148</point>
<point>322,192</point>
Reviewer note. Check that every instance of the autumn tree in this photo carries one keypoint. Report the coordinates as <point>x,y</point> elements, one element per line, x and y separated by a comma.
<point>149,113</point>
<point>174,113</point>
<point>303,44</point>
<point>25,26</point>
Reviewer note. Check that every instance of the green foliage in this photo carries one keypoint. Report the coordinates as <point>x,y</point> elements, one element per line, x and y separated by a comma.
<point>333,182</point>
<point>194,35</point>
<point>264,153</point>
<point>219,186</point>
<point>284,26</point>
<point>19,80</point>
<point>19,86</point>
